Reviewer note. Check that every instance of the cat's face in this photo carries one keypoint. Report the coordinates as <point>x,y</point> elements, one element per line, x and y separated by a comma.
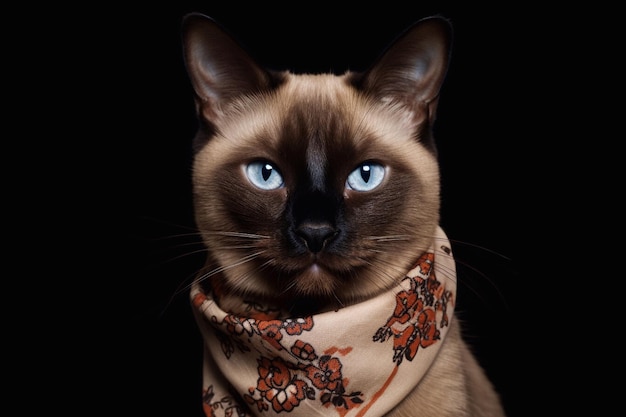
<point>316,187</point>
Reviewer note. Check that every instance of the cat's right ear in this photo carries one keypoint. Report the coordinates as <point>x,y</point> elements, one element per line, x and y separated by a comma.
<point>412,69</point>
<point>219,68</point>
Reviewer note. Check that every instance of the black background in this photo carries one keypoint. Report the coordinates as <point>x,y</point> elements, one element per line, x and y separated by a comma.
<point>138,105</point>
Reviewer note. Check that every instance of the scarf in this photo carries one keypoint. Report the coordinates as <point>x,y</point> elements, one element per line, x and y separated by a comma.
<point>360,360</point>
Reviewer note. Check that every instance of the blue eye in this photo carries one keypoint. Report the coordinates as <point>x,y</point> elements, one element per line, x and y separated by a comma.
<point>366,177</point>
<point>264,175</point>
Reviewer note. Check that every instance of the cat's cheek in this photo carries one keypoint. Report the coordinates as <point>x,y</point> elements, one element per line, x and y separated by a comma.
<point>273,206</point>
<point>359,204</point>
<point>255,210</point>
<point>353,197</point>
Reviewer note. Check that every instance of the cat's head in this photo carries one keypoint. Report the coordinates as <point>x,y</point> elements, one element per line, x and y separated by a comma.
<point>315,186</point>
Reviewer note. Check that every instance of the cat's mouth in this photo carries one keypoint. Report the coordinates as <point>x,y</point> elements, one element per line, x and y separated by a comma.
<point>318,265</point>
<point>320,277</point>
<point>321,266</point>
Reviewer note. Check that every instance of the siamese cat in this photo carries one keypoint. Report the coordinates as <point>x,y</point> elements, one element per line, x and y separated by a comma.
<point>329,287</point>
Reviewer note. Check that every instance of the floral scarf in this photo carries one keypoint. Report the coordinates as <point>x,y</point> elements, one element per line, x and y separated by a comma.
<point>360,360</point>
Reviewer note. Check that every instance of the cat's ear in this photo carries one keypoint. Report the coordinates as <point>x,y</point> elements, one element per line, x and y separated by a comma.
<point>412,69</point>
<point>219,68</point>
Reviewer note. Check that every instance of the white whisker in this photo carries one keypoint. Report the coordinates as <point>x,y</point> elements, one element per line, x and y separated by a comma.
<point>239,234</point>
<point>223,268</point>
<point>390,238</point>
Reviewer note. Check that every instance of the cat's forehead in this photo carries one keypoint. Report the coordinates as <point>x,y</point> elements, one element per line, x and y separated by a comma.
<point>327,88</point>
<point>316,104</point>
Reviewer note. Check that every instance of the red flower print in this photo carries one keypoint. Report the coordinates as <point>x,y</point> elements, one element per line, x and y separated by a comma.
<point>426,322</point>
<point>277,386</point>
<point>297,326</point>
<point>413,321</point>
<point>405,304</point>
<point>303,350</point>
<point>408,304</point>
<point>433,291</point>
<point>198,299</point>
<point>227,405</point>
<point>207,400</point>
<point>270,331</point>
<point>328,375</point>
<point>403,338</point>
<point>406,343</point>
<point>237,325</point>
<point>421,334</point>
<point>436,288</point>
<point>425,263</point>
<point>260,404</point>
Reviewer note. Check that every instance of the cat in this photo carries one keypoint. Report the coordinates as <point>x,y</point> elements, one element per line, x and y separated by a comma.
<point>328,286</point>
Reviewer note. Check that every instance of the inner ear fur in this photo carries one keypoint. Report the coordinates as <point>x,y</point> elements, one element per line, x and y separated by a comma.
<point>220,69</point>
<point>412,69</point>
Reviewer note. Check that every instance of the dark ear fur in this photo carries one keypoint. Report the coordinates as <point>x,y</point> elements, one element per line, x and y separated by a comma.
<point>412,69</point>
<point>219,68</point>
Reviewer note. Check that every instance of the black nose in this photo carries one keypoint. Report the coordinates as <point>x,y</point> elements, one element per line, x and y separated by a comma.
<point>316,235</point>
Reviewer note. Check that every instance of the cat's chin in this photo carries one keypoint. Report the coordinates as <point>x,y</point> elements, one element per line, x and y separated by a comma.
<point>316,281</point>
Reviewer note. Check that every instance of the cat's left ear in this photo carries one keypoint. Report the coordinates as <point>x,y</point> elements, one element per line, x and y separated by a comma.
<point>412,69</point>
<point>219,67</point>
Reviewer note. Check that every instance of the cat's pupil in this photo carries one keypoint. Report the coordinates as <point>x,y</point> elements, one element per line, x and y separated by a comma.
<point>365,173</point>
<point>266,171</point>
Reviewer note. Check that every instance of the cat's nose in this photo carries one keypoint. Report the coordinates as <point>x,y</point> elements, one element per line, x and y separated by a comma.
<point>316,235</point>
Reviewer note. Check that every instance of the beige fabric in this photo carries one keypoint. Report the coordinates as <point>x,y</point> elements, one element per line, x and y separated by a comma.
<point>360,360</point>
